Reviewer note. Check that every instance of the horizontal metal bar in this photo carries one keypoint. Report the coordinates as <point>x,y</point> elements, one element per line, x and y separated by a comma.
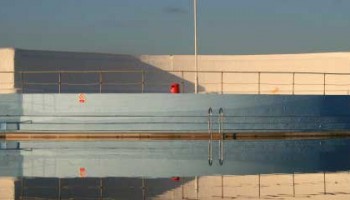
<point>82,84</point>
<point>170,71</point>
<point>111,83</point>
<point>23,136</point>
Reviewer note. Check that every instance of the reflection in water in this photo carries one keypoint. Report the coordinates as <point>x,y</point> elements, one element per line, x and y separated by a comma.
<point>158,159</point>
<point>302,186</point>
<point>98,188</point>
<point>149,169</point>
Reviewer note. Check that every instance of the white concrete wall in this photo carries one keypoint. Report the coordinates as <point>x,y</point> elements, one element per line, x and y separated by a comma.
<point>159,73</point>
<point>271,83</point>
<point>7,59</point>
<point>156,79</point>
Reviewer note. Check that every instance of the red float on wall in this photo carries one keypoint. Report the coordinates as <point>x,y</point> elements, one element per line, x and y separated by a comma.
<point>82,172</point>
<point>175,88</point>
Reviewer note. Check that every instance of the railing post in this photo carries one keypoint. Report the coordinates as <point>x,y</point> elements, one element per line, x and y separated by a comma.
<point>259,76</point>
<point>293,184</point>
<point>222,82</point>
<point>22,188</point>
<point>182,82</point>
<point>196,186</point>
<point>222,186</point>
<point>324,183</point>
<point>101,80</point>
<point>143,186</point>
<point>293,89</point>
<point>324,84</point>
<point>59,82</point>
<point>259,186</point>
<point>59,189</point>
<point>22,82</point>
<point>182,188</point>
<point>101,188</point>
<point>143,81</point>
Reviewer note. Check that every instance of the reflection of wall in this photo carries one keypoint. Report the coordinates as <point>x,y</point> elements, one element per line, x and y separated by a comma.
<point>7,188</point>
<point>158,81</point>
<point>265,186</point>
<point>10,167</point>
<point>179,158</point>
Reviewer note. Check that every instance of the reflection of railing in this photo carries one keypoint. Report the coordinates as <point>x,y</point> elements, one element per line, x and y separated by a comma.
<point>249,82</point>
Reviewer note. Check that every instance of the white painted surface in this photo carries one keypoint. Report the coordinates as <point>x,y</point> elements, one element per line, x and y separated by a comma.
<point>7,59</point>
<point>159,77</point>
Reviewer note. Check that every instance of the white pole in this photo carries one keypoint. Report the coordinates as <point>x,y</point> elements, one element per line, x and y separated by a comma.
<point>195,46</point>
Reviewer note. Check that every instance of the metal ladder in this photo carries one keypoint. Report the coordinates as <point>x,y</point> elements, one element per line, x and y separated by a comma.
<point>210,132</point>
<point>221,133</point>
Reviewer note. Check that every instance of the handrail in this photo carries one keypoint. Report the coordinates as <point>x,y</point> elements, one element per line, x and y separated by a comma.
<point>221,134</point>
<point>327,84</point>
<point>210,145</point>
<point>174,71</point>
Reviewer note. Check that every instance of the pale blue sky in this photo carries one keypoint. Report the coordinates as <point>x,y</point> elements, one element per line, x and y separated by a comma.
<point>166,26</point>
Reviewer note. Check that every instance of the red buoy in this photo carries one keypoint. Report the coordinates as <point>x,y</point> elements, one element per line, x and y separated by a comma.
<point>175,178</point>
<point>175,88</point>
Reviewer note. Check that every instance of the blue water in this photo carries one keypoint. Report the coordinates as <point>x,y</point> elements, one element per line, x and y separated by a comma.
<point>158,159</point>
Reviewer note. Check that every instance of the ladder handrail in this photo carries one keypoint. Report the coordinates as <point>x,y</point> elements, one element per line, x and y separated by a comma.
<point>221,135</point>
<point>210,147</point>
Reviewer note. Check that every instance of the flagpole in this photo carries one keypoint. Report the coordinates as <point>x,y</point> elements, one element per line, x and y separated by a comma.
<point>195,46</point>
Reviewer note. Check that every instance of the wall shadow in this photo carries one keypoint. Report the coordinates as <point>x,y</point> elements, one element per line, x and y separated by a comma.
<point>156,80</point>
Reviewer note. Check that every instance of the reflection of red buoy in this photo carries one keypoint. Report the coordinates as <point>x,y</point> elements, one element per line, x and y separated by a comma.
<point>175,178</point>
<point>82,172</point>
<point>82,98</point>
<point>175,88</point>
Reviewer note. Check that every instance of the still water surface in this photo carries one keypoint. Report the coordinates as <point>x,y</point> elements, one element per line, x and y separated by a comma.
<point>172,158</point>
<point>137,169</point>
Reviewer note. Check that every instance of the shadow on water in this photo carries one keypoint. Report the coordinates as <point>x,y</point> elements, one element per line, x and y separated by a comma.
<point>156,80</point>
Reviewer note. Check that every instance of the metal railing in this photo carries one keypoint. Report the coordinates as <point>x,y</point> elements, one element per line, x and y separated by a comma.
<point>142,81</point>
